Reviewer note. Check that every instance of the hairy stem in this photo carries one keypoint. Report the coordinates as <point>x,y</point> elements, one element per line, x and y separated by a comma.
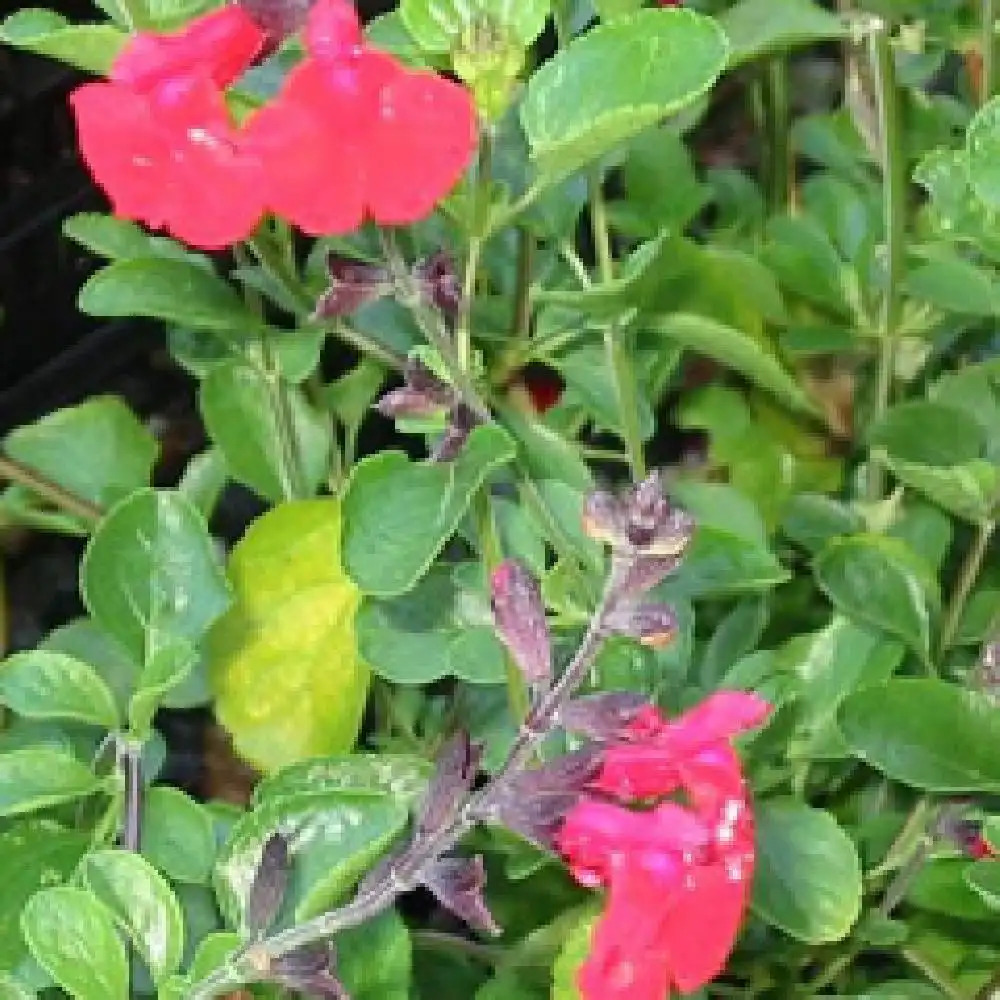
<point>67,502</point>
<point>405,875</point>
<point>893,159</point>
<point>616,345</point>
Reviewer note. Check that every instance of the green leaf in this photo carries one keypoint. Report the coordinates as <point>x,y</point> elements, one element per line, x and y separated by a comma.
<point>736,350</point>
<point>73,938</point>
<point>879,581</point>
<point>90,47</point>
<point>830,664</point>
<point>398,514</point>
<point>572,954</point>
<point>40,776</point>
<point>351,396</point>
<point>941,887</point>
<point>438,629</point>
<point>930,433</point>
<point>544,452</point>
<point>757,27</point>
<point>374,960</point>
<point>968,491</point>
<point>178,836</point>
<point>808,878</point>
<point>955,285</point>
<point>36,853</point>
<point>983,878</point>
<point>608,10</point>
<point>11,989</point>
<point>283,661</point>
<point>615,81</point>
<point>238,403</point>
<point>169,664</point>
<point>403,777</point>
<point>333,837</point>
<point>150,574</point>
<point>812,519</point>
<point>926,733</point>
<point>444,25</point>
<point>43,685</point>
<point>98,451</point>
<point>172,290</point>
<point>982,146</point>
<point>142,904</point>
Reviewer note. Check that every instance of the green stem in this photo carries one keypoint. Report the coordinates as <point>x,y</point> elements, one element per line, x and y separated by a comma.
<point>778,118</point>
<point>520,325</point>
<point>67,502</point>
<point>989,50</point>
<point>893,158</point>
<point>967,576</point>
<point>293,478</point>
<point>937,976</point>
<point>134,12</point>
<point>615,339</point>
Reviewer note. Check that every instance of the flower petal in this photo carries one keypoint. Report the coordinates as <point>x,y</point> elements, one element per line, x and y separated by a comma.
<point>220,45</point>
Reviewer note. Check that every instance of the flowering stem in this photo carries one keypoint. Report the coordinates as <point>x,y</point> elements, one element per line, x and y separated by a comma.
<point>246,965</point>
<point>15,472</point>
<point>988,22</point>
<point>893,158</point>
<point>619,357</point>
<point>776,113</point>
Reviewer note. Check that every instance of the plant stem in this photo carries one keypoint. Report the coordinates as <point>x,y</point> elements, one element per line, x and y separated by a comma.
<point>520,326</point>
<point>989,50</point>
<point>967,577</point>
<point>130,762</point>
<point>779,145</point>
<point>893,158</point>
<point>937,976</point>
<point>453,944</point>
<point>405,875</point>
<point>134,12</point>
<point>15,472</point>
<point>619,356</point>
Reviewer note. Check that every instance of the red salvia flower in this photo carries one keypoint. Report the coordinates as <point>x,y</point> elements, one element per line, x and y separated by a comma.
<point>678,875</point>
<point>159,139</point>
<point>354,134</point>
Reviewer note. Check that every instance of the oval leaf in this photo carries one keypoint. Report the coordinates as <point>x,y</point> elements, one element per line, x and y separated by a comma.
<point>926,733</point>
<point>333,838</point>
<point>879,581</point>
<point>40,776</point>
<point>616,80</point>
<point>73,938</point>
<point>150,573</point>
<point>44,685</point>
<point>143,905</point>
<point>398,514</point>
<point>178,836</point>
<point>808,880</point>
<point>90,47</point>
<point>283,661</point>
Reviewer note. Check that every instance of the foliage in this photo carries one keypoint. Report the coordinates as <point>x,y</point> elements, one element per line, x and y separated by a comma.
<point>591,288</point>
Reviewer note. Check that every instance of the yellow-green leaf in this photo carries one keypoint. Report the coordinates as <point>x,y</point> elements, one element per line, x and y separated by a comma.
<point>284,663</point>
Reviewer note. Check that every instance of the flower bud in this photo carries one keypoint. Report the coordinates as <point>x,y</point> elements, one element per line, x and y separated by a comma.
<point>534,803</point>
<point>352,285</point>
<point>439,282</point>
<point>268,888</point>
<point>455,773</point>
<point>519,616</point>
<point>309,970</point>
<point>458,884</point>
<point>604,716</point>
<point>654,625</point>
<point>277,18</point>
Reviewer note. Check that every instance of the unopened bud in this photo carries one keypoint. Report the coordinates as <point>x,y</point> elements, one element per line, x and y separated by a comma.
<point>604,716</point>
<point>534,803</point>
<point>309,970</point>
<point>519,616</point>
<point>454,775</point>
<point>654,625</point>
<point>439,282</point>
<point>352,285</point>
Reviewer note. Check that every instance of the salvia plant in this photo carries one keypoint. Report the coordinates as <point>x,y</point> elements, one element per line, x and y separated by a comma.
<point>657,656</point>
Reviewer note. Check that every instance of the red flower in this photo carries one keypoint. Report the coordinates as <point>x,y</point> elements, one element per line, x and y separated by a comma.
<point>678,875</point>
<point>354,134</point>
<point>158,137</point>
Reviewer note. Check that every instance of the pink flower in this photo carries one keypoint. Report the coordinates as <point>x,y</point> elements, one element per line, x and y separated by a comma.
<point>678,876</point>
<point>353,134</point>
